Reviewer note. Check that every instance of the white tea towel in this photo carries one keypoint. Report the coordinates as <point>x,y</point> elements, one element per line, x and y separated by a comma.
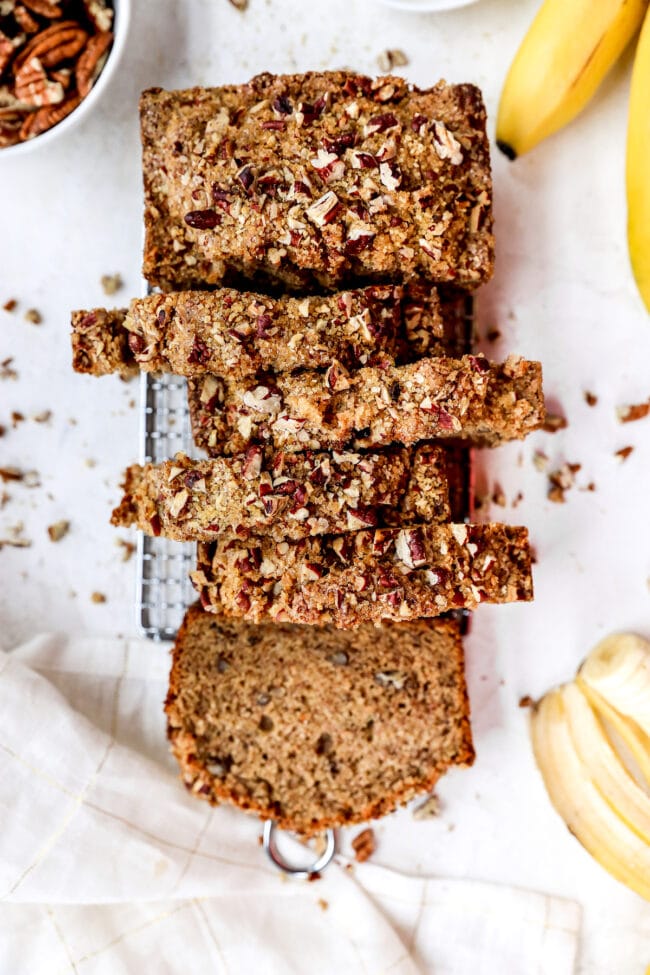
<point>107,865</point>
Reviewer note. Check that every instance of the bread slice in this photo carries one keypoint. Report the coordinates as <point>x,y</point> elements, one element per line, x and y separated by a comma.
<point>467,399</point>
<point>236,334</point>
<point>312,726</point>
<point>366,576</point>
<point>316,179</point>
<point>285,496</point>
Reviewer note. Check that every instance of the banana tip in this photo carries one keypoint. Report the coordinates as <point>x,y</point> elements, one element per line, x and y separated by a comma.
<point>506,149</point>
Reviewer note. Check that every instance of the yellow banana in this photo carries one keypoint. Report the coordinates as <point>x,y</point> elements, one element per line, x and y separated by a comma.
<point>632,737</point>
<point>638,166</point>
<point>618,668</point>
<point>570,47</point>
<point>598,804</point>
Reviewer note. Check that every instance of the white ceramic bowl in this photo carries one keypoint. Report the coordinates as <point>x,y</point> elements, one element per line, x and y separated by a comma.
<point>121,21</point>
<point>426,6</point>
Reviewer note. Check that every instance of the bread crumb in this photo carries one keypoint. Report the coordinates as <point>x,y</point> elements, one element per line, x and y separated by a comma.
<point>97,597</point>
<point>561,481</point>
<point>16,418</point>
<point>540,460</point>
<point>364,845</point>
<point>10,305</point>
<point>590,398</point>
<point>428,809</point>
<point>34,316</point>
<point>390,59</point>
<point>42,417</point>
<point>10,474</point>
<point>111,283</point>
<point>15,537</point>
<point>554,422</point>
<point>498,496</point>
<point>6,369</point>
<point>322,903</point>
<point>128,548</point>
<point>623,453</point>
<point>634,411</point>
<point>58,530</point>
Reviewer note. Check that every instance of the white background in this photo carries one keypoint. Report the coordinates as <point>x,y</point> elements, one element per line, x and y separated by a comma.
<point>562,293</point>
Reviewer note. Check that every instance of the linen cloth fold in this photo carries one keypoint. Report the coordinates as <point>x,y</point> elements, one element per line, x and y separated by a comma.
<point>107,864</point>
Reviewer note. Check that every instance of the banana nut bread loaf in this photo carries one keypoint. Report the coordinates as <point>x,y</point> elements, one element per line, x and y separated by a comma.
<point>285,496</point>
<point>367,576</point>
<point>463,399</point>
<point>238,333</point>
<point>312,726</point>
<point>316,179</point>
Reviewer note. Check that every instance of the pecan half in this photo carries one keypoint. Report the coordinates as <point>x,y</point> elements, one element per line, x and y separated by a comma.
<point>8,47</point>
<point>92,61</point>
<point>60,42</point>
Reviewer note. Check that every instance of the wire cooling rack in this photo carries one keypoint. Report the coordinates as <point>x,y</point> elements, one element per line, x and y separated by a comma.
<point>164,590</point>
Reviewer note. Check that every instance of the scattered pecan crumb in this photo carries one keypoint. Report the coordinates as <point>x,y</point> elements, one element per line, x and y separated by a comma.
<point>634,411</point>
<point>10,474</point>
<point>590,398</point>
<point>498,496</point>
<point>561,481</point>
<point>111,283</point>
<point>42,417</point>
<point>526,701</point>
<point>428,809</point>
<point>624,453</point>
<point>3,430</point>
<point>128,548</point>
<point>131,404</point>
<point>34,316</point>
<point>97,597</point>
<point>6,369</point>
<point>518,498</point>
<point>31,479</point>
<point>591,486</point>
<point>322,903</point>
<point>393,58</point>
<point>312,877</point>
<point>15,537</point>
<point>90,462</point>
<point>10,305</point>
<point>58,530</point>
<point>16,418</point>
<point>493,335</point>
<point>554,422</point>
<point>540,460</point>
<point>5,498</point>
<point>364,845</point>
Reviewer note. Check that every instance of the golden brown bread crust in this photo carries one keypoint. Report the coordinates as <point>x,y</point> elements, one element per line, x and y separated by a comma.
<point>316,179</point>
<point>275,719</point>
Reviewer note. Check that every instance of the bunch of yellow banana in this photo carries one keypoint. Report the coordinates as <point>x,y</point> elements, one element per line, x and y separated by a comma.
<point>591,740</point>
<point>566,54</point>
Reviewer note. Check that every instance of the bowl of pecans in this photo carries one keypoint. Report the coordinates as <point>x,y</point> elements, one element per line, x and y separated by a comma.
<point>56,58</point>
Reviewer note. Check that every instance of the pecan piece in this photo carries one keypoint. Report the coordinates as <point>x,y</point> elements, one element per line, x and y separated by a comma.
<point>33,87</point>
<point>8,47</point>
<point>25,20</point>
<point>47,117</point>
<point>91,61</point>
<point>99,14</point>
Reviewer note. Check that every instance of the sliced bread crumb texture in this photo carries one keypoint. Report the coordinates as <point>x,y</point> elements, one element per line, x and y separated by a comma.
<point>312,726</point>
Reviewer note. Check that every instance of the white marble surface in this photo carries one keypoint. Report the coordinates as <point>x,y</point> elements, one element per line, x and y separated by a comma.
<point>562,293</point>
